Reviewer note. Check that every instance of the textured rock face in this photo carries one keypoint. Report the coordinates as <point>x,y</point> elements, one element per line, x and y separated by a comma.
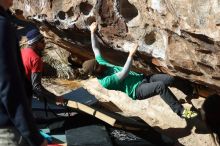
<point>180,37</point>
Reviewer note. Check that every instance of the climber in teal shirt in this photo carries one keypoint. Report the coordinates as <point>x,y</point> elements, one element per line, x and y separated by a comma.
<point>135,85</point>
<point>113,78</point>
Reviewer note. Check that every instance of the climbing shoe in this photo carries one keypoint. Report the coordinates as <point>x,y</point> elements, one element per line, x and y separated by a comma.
<point>188,114</point>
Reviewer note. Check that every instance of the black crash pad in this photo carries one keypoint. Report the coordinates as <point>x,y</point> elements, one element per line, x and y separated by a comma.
<point>93,135</point>
<point>81,95</point>
<point>125,138</point>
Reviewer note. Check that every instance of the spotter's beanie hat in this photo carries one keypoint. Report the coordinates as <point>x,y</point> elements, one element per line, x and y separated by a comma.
<point>34,36</point>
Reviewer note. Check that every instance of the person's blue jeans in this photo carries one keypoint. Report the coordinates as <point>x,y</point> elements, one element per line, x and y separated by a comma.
<point>158,84</point>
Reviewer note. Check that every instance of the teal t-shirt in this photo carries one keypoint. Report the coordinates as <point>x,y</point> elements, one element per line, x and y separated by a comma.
<point>110,80</point>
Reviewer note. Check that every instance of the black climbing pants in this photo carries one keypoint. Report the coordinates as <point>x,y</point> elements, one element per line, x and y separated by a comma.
<point>158,84</point>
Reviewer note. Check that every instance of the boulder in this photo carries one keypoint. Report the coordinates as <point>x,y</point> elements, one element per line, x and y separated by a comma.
<point>181,38</point>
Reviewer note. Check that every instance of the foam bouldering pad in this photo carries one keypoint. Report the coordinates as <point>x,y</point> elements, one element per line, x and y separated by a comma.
<point>93,135</point>
<point>81,95</point>
<point>40,106</point>
<point>125,138</point>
